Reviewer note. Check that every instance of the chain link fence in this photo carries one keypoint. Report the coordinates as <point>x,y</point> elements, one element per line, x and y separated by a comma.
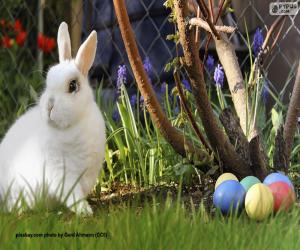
<point>28,42</point>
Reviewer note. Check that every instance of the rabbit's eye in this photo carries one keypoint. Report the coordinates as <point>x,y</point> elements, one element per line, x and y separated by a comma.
<point>73,86</point>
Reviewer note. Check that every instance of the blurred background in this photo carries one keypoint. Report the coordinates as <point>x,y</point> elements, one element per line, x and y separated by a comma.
<point>28,42</point>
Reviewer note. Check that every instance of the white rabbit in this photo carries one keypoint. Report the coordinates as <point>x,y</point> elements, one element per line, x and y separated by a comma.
<point>61,141</point>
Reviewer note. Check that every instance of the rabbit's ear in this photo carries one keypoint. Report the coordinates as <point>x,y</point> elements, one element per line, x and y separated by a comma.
<point>63,42</point>
<point>86,53</point>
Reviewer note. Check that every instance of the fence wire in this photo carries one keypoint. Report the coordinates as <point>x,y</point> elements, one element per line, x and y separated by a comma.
<point>25,60</point>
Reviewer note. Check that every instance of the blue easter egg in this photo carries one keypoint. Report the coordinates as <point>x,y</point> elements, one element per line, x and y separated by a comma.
<point>275,177</point>
<point>229,196</point>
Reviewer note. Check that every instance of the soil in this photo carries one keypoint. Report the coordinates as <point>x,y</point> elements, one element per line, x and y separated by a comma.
<point>120,195</point>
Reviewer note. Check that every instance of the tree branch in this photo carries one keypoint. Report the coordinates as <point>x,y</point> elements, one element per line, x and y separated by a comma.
<point>201,23</point>
<point>228,59</point>
<point>177,140</point>
<point>280,161</point>
<point>235,133</point>
<point>205,12</point>
<point>258,158</point>
<point>192,63</point>
<point>189,112</point>
<point>293,113</point>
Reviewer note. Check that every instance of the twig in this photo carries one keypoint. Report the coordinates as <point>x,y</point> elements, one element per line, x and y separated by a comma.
<point>293,113</point>
<point>271,31</point>
<point>180,144</point>
<point>192,63</point>
<point>201,23</point>
<point>205,13</point>
<point>211,10</point>
<point>189,113</point>
<point>221,5</point>
<point>265,51</point>
<point>197,28</point>
<point>268,50</point>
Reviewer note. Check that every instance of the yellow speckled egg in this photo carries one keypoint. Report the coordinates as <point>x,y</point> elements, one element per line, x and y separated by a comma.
<point>225,177</point>
<point>259,202</point>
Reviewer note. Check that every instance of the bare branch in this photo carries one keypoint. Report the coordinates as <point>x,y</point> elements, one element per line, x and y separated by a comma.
<point>280,161</point>
<point>235,133</point>
<point>228,59</point>
<point>205,13</point>
<point>180,144</point>
<point>293,113</point>
<point>201,23</point>
<point>258,158</point>
<point>189,112</point>
<point>192,63</point>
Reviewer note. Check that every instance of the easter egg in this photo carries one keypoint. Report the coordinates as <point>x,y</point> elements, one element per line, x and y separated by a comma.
<point>249,181</point>
<point>274,177</point>
<point>283,194</point>
<point>225,177</point>
<point>259,202</point>
<point>229,196</point>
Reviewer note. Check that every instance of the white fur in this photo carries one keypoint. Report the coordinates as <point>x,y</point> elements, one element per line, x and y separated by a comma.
<point>57,141</point>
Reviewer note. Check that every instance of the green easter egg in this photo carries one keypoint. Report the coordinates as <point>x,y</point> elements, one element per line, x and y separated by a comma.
<point>249,181</point>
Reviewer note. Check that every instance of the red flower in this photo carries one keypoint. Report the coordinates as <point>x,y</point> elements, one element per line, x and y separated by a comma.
<point>2,23</point>
<point>46,44</point>
<point>7,42</point>
<point>18,26</point>
<point>21,37</point>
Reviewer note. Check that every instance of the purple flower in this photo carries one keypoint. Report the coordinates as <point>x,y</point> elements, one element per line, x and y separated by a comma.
<point>141,101</point>
<point>265,91</point>
<point>133,100</point>
<point>147,65</point>
<point>258,41</point>
<point>122,75</point>
<point>116,115</point>
<point>219,76</point>
<point>187,85</point>
<point>163,88</point>
<point>210,63</point>
<point>299,120</point>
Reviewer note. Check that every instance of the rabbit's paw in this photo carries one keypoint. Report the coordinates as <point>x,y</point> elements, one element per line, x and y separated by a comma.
<point>82,208</point>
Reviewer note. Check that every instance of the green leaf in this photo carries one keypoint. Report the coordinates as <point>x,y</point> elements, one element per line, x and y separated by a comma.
<point>277,119</point>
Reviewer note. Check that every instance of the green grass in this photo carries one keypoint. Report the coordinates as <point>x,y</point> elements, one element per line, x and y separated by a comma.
<point>167,226</point>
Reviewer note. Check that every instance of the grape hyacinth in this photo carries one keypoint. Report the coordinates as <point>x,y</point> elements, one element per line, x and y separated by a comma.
<point>258,40</point>
<point>219,76</point>
<point>163,88</point>
<point>148,67</point>
<point>116,115</point>
<point>210,62</point>
<point>133,100</point>
<point>122,75</point>
<point>187,85</point>
<point>265,91</point>
<point>141,101</point>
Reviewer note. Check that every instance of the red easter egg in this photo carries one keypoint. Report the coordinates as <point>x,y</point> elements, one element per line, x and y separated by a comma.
<point>284,195</point>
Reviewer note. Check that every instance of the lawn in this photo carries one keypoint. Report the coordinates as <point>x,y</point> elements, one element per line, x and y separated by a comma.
<point>157,225</point>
